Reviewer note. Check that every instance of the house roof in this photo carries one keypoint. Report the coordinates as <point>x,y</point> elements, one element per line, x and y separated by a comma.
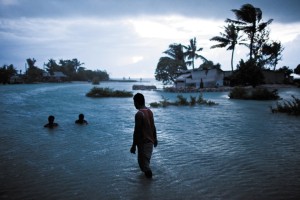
<point>59,74</point>
<point>183,77</point>
<point>295,76</point>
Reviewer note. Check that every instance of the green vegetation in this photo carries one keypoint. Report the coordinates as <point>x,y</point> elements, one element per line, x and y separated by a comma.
<point>248,29</point>
<point>75,71</point>
<point>6,72</point>
<point>168,66</point>
<point>291,107</point>
<point>248,73</point>
<point>253,94</point>
<point>71,70</point>
<point>182,101</point>
<point>107,92</point>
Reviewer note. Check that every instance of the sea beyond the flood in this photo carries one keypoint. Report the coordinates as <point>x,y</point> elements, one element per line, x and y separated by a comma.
<point>237,149</point>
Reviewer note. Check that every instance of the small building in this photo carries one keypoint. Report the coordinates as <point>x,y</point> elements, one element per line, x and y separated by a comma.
<point>193,78</point>
<point>56,77</point>
<point>16,79</point>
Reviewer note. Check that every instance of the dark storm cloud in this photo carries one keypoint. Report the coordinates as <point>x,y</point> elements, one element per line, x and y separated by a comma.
<point>279,10</point>
<point>138,31</point>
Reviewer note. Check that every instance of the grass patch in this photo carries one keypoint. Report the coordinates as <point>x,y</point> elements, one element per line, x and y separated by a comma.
<point>107,92</point>
<point>182,101</point>
<point>253,94</point>
<point>291,107</point>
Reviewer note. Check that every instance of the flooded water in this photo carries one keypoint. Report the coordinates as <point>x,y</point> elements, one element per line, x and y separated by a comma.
<point>235,150</point>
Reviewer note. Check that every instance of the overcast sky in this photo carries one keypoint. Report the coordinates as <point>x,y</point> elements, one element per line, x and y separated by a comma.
<point>127,37</point>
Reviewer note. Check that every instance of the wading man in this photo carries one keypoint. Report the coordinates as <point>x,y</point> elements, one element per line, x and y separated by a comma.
<point>144,136</point>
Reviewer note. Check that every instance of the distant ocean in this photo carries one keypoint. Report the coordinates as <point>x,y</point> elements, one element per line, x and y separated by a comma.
<point>235,150</point>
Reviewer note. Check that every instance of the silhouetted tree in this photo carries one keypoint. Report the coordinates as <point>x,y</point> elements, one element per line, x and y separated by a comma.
<point>272,52</point>
<point>52,66</point>
<point>249,20</point>
<point>6,72</point>
<point>230,38</point>
<point>297,69</point>
<point>168,67</point>
<point>191,53</point>
<point>175,52</point>
<point>248,73</point>
<point>33,73</point>
<point>209,65</point>
<point>166,70</point>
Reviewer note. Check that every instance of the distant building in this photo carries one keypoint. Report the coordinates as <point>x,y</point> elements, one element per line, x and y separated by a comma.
<point>16,79</point>
<point>193,78</point>
<point>56,77</point>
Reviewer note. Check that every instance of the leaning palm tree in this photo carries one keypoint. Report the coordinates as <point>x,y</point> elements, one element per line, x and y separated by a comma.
<point>230,38</point>
<point>175,52</point>
<point>249,20</point>
<point>191,53</point>
<point>168,66</point>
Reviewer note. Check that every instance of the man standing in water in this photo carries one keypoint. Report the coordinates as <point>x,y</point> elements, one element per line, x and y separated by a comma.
<point>51,123</point>
<point>144,136</point>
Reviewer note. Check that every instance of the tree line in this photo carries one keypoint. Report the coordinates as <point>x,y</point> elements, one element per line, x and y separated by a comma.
<point>73,69</point>
<point>247,29</point>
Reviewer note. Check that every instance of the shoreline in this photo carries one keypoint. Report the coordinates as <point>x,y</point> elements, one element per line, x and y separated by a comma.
<point>226,88</point>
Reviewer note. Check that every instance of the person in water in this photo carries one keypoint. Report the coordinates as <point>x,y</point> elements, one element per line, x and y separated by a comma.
<point>81,120</point>
<point>144,136</point>
<point>51,123</point>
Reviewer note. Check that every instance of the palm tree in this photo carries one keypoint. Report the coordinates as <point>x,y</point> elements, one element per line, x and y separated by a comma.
<point>230,38</point>
<point>168,66</point>
<point>273,51</point>
<point>249,20</point>
<point>191,53</point>
<point>175,52</point>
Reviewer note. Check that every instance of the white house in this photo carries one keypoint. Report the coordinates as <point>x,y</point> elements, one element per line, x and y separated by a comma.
<point>193,78</point>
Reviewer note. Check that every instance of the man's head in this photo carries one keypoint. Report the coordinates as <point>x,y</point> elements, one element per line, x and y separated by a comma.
<point>51,119</point>
<point>81,116</point>
<point>139,100</point>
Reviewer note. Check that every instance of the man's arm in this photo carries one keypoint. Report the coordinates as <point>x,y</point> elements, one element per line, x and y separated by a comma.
<point>137,131</point>
<point>154,128</point>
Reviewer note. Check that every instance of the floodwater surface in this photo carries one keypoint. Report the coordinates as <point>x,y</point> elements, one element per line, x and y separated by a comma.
<point>235,150</point>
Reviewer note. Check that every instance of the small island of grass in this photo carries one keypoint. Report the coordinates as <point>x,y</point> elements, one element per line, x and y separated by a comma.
<point>253,94</point>
<point>107,92</point>
<point>182,101</point>
<point>291,107</point>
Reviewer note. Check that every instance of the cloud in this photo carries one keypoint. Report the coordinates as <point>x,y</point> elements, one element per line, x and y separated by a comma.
<point>127,38</point>
<point>9,2</point>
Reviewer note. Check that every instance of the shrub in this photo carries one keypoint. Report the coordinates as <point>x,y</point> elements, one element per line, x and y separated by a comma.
<point>182,101</point>
<point>291,107</point>
<point>106,92</point>
<point>192,100</point>
<point>253,94</point>
<point>264,94</point>
<point>238,93</point>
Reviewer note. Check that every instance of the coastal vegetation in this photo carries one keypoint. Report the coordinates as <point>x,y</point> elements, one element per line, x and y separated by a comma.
<point>247,29</point>
<point>291,107</point>
<point>107,92</point>
<point>183,101</point>
<point>253,94</point>
<point>71,70</point>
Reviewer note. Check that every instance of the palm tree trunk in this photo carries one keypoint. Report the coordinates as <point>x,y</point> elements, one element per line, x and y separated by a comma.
<point>251,42</point>
<point>232,59</point>
<point>193,63</point>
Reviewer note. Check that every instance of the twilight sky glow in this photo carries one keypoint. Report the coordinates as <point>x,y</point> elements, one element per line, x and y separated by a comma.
<point>127,37</point>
